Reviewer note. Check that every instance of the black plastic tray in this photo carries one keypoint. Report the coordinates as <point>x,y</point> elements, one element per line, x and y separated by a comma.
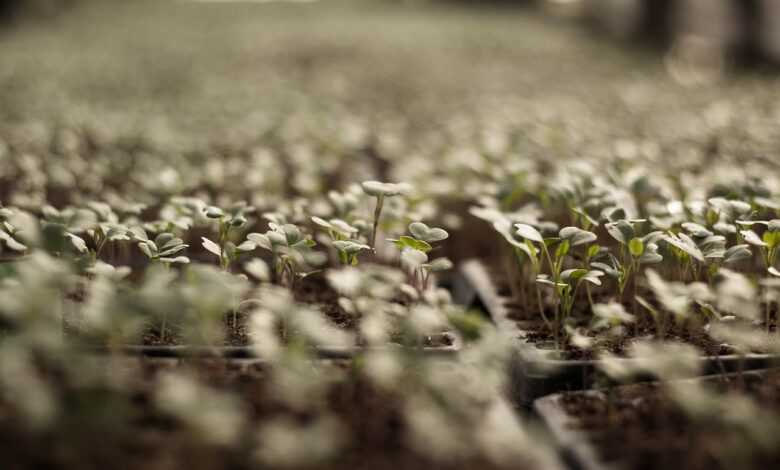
<point>574,443</point>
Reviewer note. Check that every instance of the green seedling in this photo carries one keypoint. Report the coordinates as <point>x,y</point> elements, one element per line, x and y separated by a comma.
<point>290,248</point>
<point>381,191</point>
<point>8,232</point>
<point>768,242</point>
<point>341,233</point>
<point>164,249</point>
<point>569,238</point>
<point>227,251</point>
<point>415,249</point>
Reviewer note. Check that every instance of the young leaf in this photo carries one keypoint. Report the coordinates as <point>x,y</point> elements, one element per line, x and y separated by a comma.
<point>427,234</point>
<point>350,247</point>
<point>650,255</point>
<point>563,249</point>
<point>379,189</point>
<point>408,242</point>
<point>176,260</point>
<point>440,264</point>
<point>213,212</point>
<point>573,274</point>
<point>412,258</point>
<point>529,233</point>
<point>684,243</point>
<point>77,242</point>
<point>737,253</point>
<point>622,231</point>
<point>211,247</point>
<point>752,238</point>
<point>576,236</point>
<point>258,269</point>
<point>636,247</point>
<point>260,240</point>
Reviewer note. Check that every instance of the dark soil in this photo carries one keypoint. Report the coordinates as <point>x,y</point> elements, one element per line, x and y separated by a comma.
<point>640,428</point>
<point>129,433</point>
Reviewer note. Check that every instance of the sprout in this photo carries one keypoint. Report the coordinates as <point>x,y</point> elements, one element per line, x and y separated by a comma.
<point>8,231</point>
<point>340,233</point>
<point>768,243</point>
<point>227,251</point>
<point>566,283</point>
<point>381,191</point>
<point>164,249</point>
<point>291,250</point>
<point>349,250</point>
<point>414,253</point>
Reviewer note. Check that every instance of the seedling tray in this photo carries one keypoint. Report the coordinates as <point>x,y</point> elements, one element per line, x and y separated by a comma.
<point>247,352</point>
<point>574,443</point>
<point>532,378</point>
<point>462,291</point>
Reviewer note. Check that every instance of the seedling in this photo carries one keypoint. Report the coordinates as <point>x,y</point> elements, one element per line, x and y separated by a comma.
<point>564,287</point>
<point>227,251</point>
<point>380,191</point>
<point>8,232</point>
<point>415,249</point>
<point>349,250</point>
<point>635,251</point>
<point>290,249</point>
<point>340,234</point>
<point>163,249</point>
<point>768,243</point>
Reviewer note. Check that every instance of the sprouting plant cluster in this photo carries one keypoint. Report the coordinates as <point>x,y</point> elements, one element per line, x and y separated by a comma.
<point>591,255</point>
<point>322,207</point>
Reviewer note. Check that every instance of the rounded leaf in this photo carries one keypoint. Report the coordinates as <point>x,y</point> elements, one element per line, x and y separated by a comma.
<point>529,233</point>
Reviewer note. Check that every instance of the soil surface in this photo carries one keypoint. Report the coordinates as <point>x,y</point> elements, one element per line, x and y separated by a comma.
<point>640,428</point>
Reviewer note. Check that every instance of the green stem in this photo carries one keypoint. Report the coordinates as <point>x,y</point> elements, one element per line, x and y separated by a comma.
<point>380,200</point>
<point>590,296</point>
<point>635,269</point>
<point>555,276</point>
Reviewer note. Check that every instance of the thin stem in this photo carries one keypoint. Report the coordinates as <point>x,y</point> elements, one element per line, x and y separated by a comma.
<point>541,307</point>
<point>633,299</point>
<point>100,246</point>
<point>167,267</point>
<point>555,275</point>
<point>549,262</point>
<point>380,200</point>
<point>590,296</point>
<point>766,308</point>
